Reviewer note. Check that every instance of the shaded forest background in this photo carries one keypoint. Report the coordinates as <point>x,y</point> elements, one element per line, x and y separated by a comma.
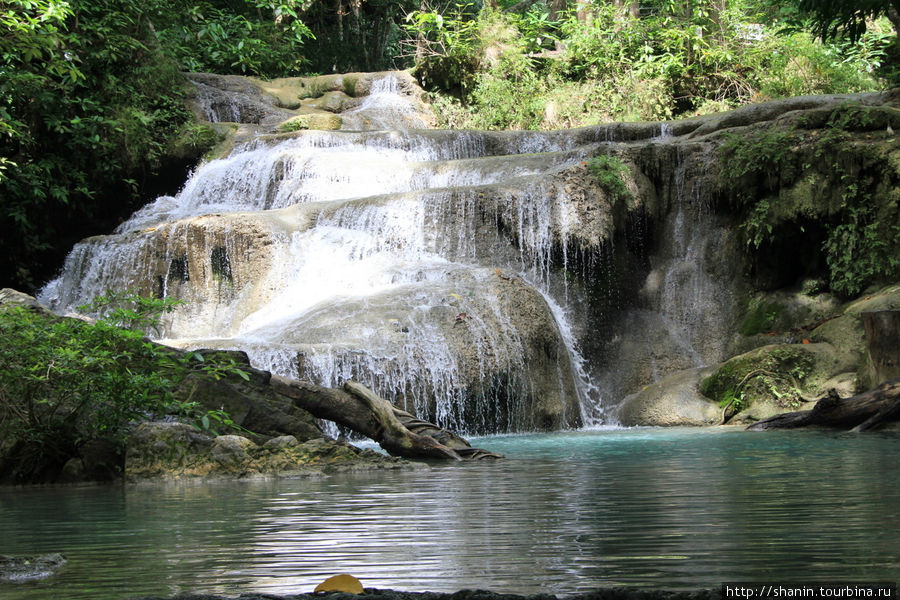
<point>93,121</point>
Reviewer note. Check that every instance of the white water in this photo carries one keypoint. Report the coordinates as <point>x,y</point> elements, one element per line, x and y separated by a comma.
<point>411,262</point>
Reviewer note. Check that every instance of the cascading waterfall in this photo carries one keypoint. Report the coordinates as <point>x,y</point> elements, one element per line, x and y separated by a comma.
<point>429,265</point>
<point>417,263</point>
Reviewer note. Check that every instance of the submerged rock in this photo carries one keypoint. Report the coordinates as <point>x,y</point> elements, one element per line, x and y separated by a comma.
<point>29,568</point>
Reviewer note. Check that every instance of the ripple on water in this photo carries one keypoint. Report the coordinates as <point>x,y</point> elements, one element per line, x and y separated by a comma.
<point>564,513</point>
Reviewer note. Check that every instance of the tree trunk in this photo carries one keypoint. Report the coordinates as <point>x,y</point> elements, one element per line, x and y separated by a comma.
<point>893,16</point>
<point>628,7</point>
<point>363,411</point>
<point>882,346</point>
<point>339,11</point>
<point>556,8</point>
<point>863,412</point>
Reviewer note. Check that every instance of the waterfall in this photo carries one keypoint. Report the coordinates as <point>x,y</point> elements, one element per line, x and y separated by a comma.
<point>418,263</point>
<point>445,270</point>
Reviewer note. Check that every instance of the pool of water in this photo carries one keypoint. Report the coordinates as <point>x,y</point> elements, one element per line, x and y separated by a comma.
<point>564,513</point>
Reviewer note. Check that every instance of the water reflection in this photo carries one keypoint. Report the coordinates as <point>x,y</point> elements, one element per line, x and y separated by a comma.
<point>566,513</point>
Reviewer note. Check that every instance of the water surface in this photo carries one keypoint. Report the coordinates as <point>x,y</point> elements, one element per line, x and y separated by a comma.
<point>564,513</point>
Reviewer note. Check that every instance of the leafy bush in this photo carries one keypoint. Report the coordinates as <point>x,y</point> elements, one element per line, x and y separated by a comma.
<point>610,173</point>
<point>824,186</point>
<point>65,382</point>
<point>205,38</point>
<point>614,66</point>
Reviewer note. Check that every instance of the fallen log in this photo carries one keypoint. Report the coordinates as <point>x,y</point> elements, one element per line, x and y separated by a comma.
<point>863,412</point>
<point>358,408</point>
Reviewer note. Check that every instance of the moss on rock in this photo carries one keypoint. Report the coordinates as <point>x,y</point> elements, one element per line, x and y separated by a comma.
<point>780,374</point>
<point>179,451</point>
<point>321,121</point>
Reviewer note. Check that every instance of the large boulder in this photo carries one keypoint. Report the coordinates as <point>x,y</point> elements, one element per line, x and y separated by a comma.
<point>673,400</point>
<point>778,378</point>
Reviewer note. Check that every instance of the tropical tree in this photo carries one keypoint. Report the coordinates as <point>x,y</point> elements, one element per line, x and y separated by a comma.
<point>834,18</point>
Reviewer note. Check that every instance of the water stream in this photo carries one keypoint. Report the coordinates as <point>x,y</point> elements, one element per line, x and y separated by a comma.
<point>456,273</point>
<point>567,512</point>
<point>421,263</point>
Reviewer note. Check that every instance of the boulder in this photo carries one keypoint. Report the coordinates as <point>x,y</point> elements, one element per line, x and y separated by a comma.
<point>11,297</point>
<point>322,121</point>
<point>673,400</point>
<point>777,378</point>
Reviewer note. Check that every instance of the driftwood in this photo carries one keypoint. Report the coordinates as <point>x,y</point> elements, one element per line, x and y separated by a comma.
<point>863,412</point>
<point>358,408</point>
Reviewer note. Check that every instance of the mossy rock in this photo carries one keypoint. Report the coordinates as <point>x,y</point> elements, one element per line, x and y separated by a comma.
<point>887,298</point>
<point>764,315</point>
<point>783,376</point>
<point>333,102</point>
<point>321,121</point>
<point>779,316</point>
<point>845,333</point>
<point>208,141</point>
<point>178,451</point>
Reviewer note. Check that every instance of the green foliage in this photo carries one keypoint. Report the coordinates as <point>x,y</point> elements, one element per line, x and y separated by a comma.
<point>776,374</point>
<point>130,310</point>
<point>862,248</point>
<point>735,400</point>
<point>65,382</point>
<point>446,45</point>
<point>92,107</point>
<point>780,179</point>
<point>610,173</point>
<point>614,66</point>
<point>235,38</point>
<point>835,18</point>
<point>86,113</point>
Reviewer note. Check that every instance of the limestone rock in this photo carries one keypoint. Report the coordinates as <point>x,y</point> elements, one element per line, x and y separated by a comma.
<point>493,358</point>
<point>294,103</point>
<point>777,378</point>
<point>251,406</point>
<point>157,449</point>
<point>323,121</point>
<point>284,441</point>
<point>674,400</point>
<point>178,451</point>
<point>231,451</point>
<point>11,297</point>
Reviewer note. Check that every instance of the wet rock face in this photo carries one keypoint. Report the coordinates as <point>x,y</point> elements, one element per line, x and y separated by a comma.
<point>674,400</point>
<point>486,281</point>
<point>352,101</point>
<point>479,353</point>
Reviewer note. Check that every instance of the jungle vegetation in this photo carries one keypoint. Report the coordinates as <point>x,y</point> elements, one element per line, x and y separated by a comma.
<point>93,123</point>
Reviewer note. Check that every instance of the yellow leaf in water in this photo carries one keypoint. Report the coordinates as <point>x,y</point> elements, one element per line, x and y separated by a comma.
<point>340,583</point>
<point>457,296</point>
